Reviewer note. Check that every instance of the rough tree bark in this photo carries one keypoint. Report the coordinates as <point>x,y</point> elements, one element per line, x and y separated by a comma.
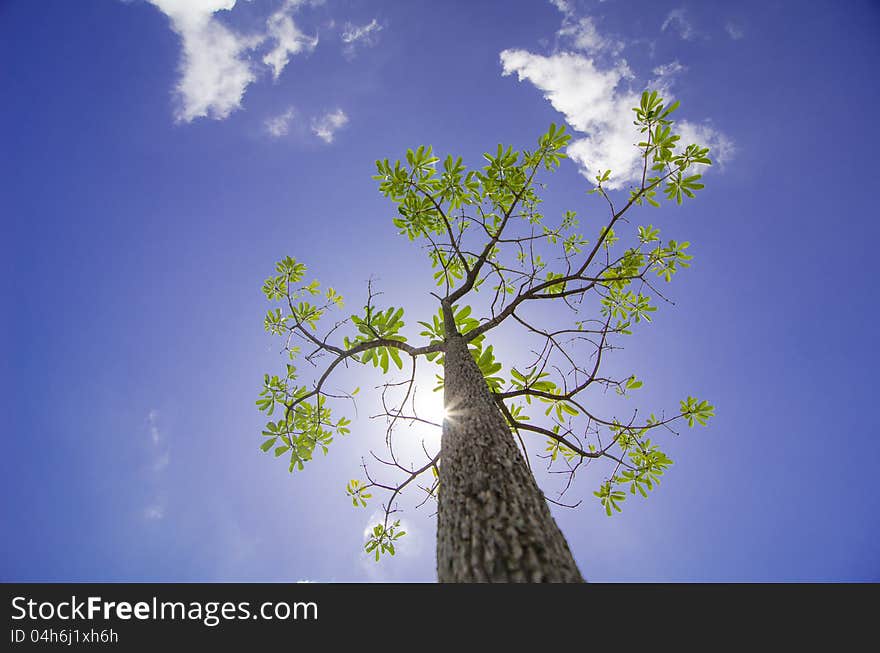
<point>493,523</point>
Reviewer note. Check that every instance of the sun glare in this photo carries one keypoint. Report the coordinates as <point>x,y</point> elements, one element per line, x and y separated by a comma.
<point>429,406</point>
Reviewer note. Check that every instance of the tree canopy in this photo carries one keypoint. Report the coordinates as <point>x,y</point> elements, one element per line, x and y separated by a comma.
<point>497,259</point>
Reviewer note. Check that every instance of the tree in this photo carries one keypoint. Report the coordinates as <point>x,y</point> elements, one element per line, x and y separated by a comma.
<point>489,243</point>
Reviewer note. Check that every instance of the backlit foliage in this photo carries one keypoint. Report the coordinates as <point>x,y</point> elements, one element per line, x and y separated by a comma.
<point>494,256</point>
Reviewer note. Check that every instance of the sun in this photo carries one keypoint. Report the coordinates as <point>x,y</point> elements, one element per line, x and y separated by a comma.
<point>429,406</point>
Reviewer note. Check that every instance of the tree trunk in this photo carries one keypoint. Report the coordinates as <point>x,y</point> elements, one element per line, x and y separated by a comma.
<point>493,523</point>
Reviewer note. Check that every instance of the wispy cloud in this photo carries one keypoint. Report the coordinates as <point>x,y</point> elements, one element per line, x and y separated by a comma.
<point>160,458</point>
<point>214,71</point>
<point>215,64</point>
<point>565,6</point>
<point>356,35</point>
<point>278,126</point>
<point>155,433</point>
<point>288,38</point>
<point>734,31</point>
<point>159,449</point>
<point>665,74</point>
<point>219,63</point>
<point>327,125</point>
<point>678,22</point>
<point>582,34</point>
<point>595,95</point>
<point>154,512</point>
<point>722,148</point>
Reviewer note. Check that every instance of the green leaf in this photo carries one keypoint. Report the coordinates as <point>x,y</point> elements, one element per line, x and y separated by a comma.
<point>395,356</point>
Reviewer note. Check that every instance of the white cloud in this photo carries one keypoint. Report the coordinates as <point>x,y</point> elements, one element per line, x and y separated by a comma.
<point>677,20</point>
<point>160,454</point>
<point>582,35</point>
<point>665,74</point>
<point>327,125</point>
<point>288,38</point>
<point>596,100</point>
<point>279,125</point>
<point>563,5</point>
<point>155,434</point>
<point>721,148</point>
<point>213,70</point>
<point>669,69</point>
<point>734,31</point>
<point>354,36</point>
<point>154,512</point>
<point>354,33</point>
<point>160,458</point>
<point>215,64</point>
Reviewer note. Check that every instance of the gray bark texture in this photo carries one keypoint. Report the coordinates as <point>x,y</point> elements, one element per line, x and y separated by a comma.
<point>493,522</point>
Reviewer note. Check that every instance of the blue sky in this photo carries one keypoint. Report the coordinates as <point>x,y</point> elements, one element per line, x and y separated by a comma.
<point>157,158</point>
